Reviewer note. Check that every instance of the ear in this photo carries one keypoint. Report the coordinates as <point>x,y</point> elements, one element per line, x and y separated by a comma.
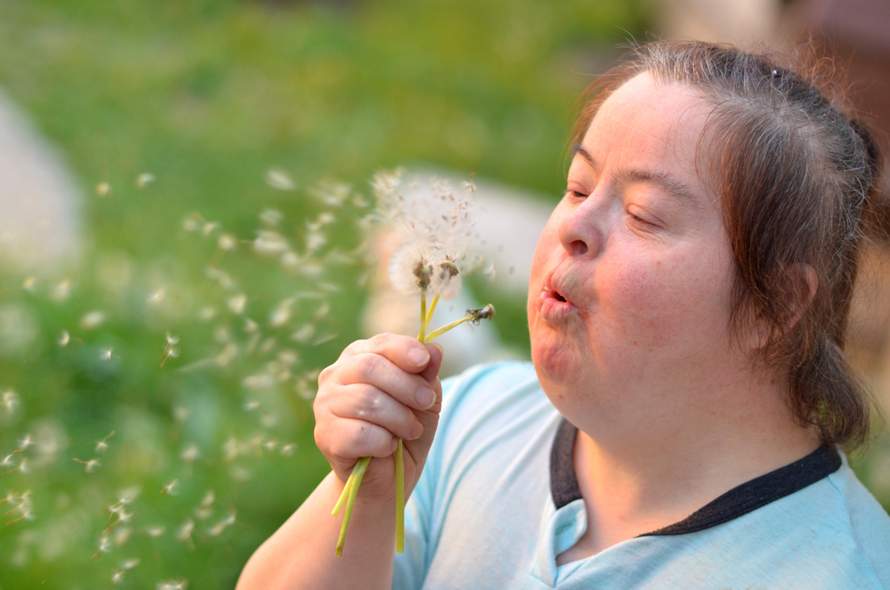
<point>805,283</point>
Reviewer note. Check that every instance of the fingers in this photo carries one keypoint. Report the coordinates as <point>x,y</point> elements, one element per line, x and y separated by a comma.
<point>376,370</point>
<point>403,351</point>
<point>365,402</point>
<point>344,440</point>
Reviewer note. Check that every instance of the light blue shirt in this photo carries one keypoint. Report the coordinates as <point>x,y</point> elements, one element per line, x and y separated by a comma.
<point>497,502</point>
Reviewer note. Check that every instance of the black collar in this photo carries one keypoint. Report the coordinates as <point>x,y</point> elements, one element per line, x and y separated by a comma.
<point>738,501</point>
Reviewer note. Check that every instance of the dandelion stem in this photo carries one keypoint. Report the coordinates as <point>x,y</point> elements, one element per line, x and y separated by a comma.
<point>400,497</point>
<point>341,501</point>
<point>449,326</point>
<point>359,472</point>
<point>429,313</point>
<point>423,316</point>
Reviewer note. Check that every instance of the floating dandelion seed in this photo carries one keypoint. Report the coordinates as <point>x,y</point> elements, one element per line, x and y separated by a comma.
<point>226,242</point>
<point>61,290</point>
<point>169,488</point>
<point>288,449</point>
<point>157,296</point>
<point>144,179</point>
<point>220,526</point>
<point>92,320</point>
<point>190,454</point>
<point>172,585</point>
<point>237,303</point>
<point>192,222</point>
<point>103,189</point>
<point>270,242</point>
<point>279,180</point>
<point>90,465</point>
<point>271,217</point>
<point>105,354</point>
<point>184,533</point>
<point>154,531</point>
<point>170,349</point>
<point>181,413</point>
<point>29,283</point>
<point>102,445</point>
<point>9,402</point>
<point>209,227</point>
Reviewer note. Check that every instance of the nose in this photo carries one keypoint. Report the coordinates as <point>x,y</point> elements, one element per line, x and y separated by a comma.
<point>578,230</point>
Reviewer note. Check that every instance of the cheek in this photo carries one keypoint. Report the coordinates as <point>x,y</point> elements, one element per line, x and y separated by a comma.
<point>669,301</point>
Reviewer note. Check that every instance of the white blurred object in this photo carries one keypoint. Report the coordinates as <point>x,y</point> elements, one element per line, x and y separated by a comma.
<point>509,221</point>
<point>746,23</point>
<point>39,221</point>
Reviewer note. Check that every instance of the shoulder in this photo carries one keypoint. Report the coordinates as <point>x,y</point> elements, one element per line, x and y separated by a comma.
<point>834,534</point>
<point>865,520</point>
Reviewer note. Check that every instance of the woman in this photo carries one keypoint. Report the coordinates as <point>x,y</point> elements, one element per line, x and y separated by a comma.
<point>682,422</point>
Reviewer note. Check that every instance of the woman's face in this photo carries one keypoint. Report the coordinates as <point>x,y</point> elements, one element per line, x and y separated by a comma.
<point>629,294</point>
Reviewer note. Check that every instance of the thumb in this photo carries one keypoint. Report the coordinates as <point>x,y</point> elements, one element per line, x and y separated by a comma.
<point>429,418</point>
<point>431,373</point>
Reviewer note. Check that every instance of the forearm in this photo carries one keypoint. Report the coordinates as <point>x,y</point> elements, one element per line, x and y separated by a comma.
<point>300,554</point>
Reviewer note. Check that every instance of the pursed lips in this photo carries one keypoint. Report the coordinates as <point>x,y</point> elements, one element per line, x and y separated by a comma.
<point>557,286</point>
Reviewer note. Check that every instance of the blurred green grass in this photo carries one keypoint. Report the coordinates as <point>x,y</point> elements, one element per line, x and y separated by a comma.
<point>207,96</point>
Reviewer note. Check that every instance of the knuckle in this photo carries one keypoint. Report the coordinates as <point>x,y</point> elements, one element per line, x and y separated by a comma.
<point>326,373</point>
<point>368,403</point>
<point>369,366</point>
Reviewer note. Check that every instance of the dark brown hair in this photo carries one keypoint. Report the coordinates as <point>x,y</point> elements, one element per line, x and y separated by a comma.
<point>795,176</point>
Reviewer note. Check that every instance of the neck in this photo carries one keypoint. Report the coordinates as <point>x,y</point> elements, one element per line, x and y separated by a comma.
<point>660,464</point>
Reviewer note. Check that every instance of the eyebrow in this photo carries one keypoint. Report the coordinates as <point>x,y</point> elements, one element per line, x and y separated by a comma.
<point>671,185</point>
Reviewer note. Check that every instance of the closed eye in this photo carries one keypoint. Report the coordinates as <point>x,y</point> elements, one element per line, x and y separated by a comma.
<point>576,194</point>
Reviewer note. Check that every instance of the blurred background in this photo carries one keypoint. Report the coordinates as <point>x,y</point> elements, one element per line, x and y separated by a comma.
<point>184,238</point>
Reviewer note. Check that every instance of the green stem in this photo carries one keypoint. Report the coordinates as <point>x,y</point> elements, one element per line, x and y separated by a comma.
<point>429,314</point>
<point>449,326</point>
<point>423,319</point>
<point>400,497</point>
<point>341,501</point>
<point>359,472</point>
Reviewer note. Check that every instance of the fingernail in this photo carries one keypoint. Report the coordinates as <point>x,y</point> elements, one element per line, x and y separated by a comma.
<point>425,397</point>
<point>419,356</point>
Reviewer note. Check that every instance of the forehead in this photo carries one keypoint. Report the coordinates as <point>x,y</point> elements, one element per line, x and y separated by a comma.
<point>646,124</point>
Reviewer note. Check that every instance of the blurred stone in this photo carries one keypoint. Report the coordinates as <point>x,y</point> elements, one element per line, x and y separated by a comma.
<point>39,217</point>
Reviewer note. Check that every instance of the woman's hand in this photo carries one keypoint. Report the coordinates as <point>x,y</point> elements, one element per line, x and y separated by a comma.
<point>379,390</point>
